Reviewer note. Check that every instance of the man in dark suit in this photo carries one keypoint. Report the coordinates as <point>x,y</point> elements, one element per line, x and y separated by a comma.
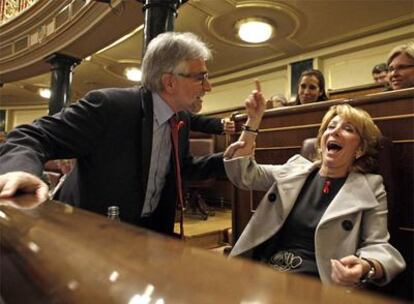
<point>121,139</point>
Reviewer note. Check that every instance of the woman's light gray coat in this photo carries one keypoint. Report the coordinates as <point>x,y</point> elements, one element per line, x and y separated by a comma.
<point>355,222</point>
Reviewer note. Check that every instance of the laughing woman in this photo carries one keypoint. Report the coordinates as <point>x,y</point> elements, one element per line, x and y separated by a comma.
<point>326,218</point>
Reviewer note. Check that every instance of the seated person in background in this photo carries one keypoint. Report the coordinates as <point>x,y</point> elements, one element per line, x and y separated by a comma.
<point>311,87</point>
<point>276,101</point>
<point>2,136</point>
<point>380,74</point>
<point>401,67</point>
<point>327,218</point>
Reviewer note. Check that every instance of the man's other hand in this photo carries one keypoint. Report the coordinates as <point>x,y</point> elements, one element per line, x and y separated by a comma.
<point>13,183</point>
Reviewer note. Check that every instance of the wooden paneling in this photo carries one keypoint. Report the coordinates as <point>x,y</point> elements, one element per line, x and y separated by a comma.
<point>356,91</point>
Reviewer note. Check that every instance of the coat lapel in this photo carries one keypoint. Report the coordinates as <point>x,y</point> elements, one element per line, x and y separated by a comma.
<point>352,197</point>
<point>290,182</point>
<point>270,216</point>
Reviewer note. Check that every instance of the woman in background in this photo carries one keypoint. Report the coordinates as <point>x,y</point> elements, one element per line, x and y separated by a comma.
<point>311,87</point>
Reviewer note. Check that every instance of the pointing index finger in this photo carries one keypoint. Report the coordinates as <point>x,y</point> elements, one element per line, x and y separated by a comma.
<point>257,84</point>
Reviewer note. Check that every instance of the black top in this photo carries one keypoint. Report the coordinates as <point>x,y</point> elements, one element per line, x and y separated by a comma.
<point>205,124</point>
<point>293,248</point>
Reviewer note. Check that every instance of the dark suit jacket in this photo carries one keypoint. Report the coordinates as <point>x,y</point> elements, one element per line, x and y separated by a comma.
<point>110,133</point>
<point>205,124</point>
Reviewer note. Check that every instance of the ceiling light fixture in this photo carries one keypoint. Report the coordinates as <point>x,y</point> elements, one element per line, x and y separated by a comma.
<point>254,30</point>
<point>45,92</point>
<point>133,74</point>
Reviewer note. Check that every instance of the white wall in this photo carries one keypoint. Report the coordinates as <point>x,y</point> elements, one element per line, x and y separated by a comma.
<point>354,68</point>
<point>18,116</point>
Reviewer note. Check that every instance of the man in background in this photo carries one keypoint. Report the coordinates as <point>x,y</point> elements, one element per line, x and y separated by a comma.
<point>380,74</point>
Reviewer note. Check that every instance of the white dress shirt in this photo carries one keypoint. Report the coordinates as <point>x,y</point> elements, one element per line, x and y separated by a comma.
<point>160,154</point>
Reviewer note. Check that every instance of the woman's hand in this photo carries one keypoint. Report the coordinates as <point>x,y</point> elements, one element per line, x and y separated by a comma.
<point>348,270</point>
<point>240,148</point>
<point>255,107</point>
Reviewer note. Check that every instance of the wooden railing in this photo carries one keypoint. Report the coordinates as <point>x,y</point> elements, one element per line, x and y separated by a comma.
<point>356,91</point>
<point>54,253</point>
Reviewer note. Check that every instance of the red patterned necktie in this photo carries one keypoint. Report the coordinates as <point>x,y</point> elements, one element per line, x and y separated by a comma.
<point>175,127</point>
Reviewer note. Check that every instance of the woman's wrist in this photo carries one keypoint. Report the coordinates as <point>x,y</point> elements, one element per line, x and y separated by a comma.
<point>249,129</point>
<point>372,270</point>
<point>366,266</point>
<point>253,123</point>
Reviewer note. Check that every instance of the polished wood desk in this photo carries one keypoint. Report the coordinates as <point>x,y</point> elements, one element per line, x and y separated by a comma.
<point>54,253</point>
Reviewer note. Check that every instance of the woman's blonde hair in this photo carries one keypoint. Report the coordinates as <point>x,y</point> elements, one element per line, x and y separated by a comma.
<point>407,49</point>
<point>367,130</point>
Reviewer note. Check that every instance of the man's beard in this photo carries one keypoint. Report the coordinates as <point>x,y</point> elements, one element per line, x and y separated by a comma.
<point>196,106</point>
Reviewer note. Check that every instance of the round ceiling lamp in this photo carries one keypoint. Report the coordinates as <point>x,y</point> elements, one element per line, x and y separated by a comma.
<point>45,92</point>
<point>254,30</point>
<point>133,74</point>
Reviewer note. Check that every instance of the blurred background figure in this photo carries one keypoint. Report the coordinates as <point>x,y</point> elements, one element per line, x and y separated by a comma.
<point>311,87</point>
<point>380,74</point>
<point>401,67</point>
<point>276,101</point>
<point>2,136</point>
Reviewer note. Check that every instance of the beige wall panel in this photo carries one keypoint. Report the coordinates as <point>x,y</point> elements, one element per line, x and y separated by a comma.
<point>354,68</point>
<point>233,95</point>
<point>18,117</point>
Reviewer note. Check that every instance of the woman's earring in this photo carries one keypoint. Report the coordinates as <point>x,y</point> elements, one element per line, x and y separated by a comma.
<point>358,154</point>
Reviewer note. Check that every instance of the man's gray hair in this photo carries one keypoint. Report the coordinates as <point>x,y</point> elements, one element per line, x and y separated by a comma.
<point>166,53</point>
<point>407,49</point>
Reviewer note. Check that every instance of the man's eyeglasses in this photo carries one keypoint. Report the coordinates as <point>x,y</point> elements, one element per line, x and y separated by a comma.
<point>203,76</point>
<point>400,67</point>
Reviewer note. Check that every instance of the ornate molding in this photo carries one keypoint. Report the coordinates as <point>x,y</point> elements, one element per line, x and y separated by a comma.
<point>10,9</point>
<point>73,27</point>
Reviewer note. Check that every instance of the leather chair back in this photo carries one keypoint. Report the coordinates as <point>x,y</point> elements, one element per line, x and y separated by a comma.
<point>201,147</point>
